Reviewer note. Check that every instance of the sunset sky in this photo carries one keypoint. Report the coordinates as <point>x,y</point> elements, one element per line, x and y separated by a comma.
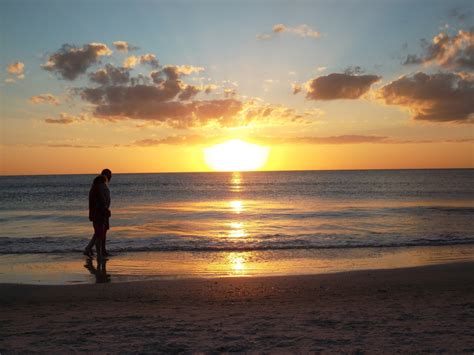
<point>148,86</point>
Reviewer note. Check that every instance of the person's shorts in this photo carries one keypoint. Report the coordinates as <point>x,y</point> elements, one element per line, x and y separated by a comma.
<point>99,230</point>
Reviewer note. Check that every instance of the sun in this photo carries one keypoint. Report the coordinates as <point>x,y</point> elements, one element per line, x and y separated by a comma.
<point>236,155</point>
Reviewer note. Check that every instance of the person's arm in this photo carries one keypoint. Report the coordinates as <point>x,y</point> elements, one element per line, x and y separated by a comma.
<point>102,201</point>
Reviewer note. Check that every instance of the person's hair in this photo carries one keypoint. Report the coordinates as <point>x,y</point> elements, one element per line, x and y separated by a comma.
<point>107,173</point>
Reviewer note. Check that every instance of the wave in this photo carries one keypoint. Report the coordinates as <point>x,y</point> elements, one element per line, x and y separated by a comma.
<point>49,245</point>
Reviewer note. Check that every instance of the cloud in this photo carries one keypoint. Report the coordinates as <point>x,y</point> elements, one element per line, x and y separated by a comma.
<point>188,92</point>
<point>173,140</point>
<point>44,99</point>
<point>264,37</point>
<point>339,86</point>
<point>460,14</point>
<point>65,119</point>
<point>228,92</point>
<point>110,75</point>
<point>132,61</point>
<point>123,46</point>
<point>321,69</point>
<point>441,97</point>
<point>300,31</point>
<point>188,69</point>
<point>16,68</point>
<point>70,61</point>
<point>157,103</point>
<point>10,81</point>
<point>456,52</point>
<point>296,88</point>
<point>354,70</point>
<point>343,139</point>
<point>258,111</point>
<point>210,88</point>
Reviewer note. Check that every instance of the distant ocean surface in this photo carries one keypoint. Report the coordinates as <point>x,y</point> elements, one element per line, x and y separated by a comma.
<point>246,211</point>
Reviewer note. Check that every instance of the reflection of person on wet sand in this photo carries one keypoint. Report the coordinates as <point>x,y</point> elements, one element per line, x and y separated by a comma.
<point>100,272</point>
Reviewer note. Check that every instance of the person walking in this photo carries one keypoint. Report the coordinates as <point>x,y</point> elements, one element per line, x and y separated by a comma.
<point>99,213</point>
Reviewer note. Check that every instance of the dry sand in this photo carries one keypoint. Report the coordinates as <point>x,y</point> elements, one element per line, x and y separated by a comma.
<point>425,309</point>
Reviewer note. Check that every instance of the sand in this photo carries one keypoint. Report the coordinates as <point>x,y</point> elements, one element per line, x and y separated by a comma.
<point>424,309</point>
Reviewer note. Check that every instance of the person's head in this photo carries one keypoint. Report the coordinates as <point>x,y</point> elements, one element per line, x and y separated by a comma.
<point>107,173</point>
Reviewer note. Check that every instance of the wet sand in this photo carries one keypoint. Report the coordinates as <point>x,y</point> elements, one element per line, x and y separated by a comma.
<point>424,309</point>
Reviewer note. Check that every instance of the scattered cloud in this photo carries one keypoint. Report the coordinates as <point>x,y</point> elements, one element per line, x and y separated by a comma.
<point>210,88</point>
<point>300,31</point>
<point>188,69</point>
<point>354,70</point>
<point>110,75</point>
<point>70,61</point>
<point>441,97</point>
<point>460,14</point>
<point>44,99</point>
<point>344,139</point>
<point>16,68</point>
<point>123,46</point>
<point>229,92</point>
<point>321,69</point>
<point>455,52</point>
<point>264,37</point>
<point>296,88</point>
<point>339,86</point>
<point>132,61</point>
<point>64,118</point>
<point>10,81</point>
<point>173,140</point>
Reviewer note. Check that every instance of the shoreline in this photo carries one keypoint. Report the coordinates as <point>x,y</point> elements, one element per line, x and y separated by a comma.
<point>64,269</point>
<point>426,308</point>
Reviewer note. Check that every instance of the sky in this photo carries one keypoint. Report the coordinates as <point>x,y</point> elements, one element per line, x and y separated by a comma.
<point>150,86</point>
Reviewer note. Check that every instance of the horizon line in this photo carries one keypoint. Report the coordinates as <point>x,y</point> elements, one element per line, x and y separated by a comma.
<point>231,172</point>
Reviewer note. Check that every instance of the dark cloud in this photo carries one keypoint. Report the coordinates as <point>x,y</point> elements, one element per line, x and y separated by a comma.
<point>189,92</point>
<point>340,86</point>
<point>157,103</point>
<point>70,61</point>
<point>451,52</point>
<point>441,97</point>
<point>110,75</point>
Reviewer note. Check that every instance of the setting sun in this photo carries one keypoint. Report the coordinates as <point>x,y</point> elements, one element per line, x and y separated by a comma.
<point>236,155</point>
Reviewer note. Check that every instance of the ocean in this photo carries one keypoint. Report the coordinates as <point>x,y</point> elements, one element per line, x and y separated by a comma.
<point>246,211</point>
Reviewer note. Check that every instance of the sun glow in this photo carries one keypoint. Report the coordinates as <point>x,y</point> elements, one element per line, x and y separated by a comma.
<point>236,155</point>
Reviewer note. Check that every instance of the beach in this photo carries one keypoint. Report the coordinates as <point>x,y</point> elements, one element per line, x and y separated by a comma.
<point>421,309</point>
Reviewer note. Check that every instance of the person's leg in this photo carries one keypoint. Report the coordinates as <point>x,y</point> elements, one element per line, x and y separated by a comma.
<point>99,229</point>
<point>91,244</point>
<point>104,251</point>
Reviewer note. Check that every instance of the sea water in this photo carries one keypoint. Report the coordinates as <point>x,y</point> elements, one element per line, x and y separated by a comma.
<point>249,216</point>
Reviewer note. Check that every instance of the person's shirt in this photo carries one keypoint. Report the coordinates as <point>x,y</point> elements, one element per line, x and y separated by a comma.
<point>99,200</point>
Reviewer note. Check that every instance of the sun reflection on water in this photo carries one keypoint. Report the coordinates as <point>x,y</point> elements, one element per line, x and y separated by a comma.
<point>236,262</point>
<point>237,230</point>
<point>237,206</point>
<point>236,182</point>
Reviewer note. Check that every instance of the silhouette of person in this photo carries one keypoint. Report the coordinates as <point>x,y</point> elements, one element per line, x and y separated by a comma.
<point>99,213</point>
<point>100,272</point>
